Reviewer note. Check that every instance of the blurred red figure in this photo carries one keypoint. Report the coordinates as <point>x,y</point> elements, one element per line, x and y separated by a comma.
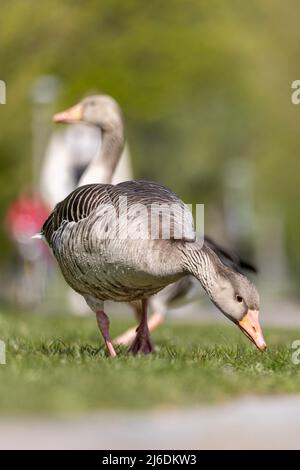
<point>24,218</point>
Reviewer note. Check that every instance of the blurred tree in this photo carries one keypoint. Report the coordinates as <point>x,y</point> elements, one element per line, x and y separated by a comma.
<point>201,83</point>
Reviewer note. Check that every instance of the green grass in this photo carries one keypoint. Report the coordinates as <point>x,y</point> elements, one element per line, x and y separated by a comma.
<point>57,364</point>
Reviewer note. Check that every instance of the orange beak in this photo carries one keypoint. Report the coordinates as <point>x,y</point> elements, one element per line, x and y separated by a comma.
<point>251,328</point>
<point>71,115</point>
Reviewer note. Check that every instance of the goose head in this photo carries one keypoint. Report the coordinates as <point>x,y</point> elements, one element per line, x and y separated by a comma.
<point>102,112</point>
<point>98,110</point>
<point>232,292</point>
<point>238,299</point>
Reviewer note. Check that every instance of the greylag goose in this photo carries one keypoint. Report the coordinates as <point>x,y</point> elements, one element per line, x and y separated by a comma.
<point>102,171</point>
<point>102,267</point>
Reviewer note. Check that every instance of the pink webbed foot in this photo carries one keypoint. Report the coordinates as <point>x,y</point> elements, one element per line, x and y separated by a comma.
<point>142,343</point>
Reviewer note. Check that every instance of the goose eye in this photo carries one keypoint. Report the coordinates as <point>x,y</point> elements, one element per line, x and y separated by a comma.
<point>239,299</point>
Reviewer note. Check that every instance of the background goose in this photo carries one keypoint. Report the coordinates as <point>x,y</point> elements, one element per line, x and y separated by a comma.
<point>101,267</point>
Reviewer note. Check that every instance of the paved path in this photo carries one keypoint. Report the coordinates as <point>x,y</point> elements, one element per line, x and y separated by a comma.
<point>269,423</point>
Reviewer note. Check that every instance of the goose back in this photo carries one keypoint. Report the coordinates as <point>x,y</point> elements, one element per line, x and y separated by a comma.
<point>115,268</point>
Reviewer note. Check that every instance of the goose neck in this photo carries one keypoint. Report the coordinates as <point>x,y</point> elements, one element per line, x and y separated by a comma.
<point>202,263</point>
<point>103,165</point>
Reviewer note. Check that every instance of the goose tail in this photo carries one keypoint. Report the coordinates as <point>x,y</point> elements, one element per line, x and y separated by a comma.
<point>38,236</point>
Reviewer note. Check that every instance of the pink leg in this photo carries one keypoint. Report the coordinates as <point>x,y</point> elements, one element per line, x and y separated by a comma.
<point>103,323</point>
<point>128,336</point>
<point>142,342</point>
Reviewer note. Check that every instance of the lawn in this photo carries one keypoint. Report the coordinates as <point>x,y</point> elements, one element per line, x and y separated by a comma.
<point>57,364</point>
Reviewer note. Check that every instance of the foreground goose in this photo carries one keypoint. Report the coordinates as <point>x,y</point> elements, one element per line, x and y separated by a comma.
<point>102,264</point>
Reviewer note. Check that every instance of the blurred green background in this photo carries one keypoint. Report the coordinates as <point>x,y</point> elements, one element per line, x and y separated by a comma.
<point>206,92</point>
